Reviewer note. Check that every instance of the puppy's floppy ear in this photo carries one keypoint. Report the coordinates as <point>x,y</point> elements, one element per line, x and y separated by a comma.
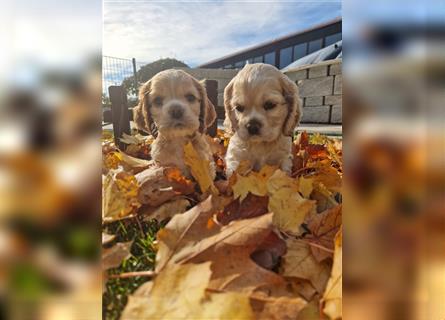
<point>290,93</point>
<point>230,122</point>
<point>207,113</point>
<point>141,113</point>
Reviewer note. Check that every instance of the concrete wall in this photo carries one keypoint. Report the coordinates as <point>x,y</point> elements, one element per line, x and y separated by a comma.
<point>321,91</point>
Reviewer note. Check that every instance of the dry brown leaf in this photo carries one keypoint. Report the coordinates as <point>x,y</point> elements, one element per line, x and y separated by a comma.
<point>300,263</point>
<point>167,210</point>
<point>119,195</point>
<point>179,292</point>
<point>324,226</point>
<point>186,229</point>
<point>288,206</point>
<point>190,238</point>
<point>199,168</point>
<point>251,206</point>
<point>113,257</point>
<point>159,185</point>
<point>254,182</point>
<point>107,238</point>
<point>332,298</point>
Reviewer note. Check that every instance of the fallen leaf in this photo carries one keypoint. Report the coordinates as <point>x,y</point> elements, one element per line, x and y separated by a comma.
<point>300,263</point>
<point>288,206</point>
<point>254,182</point>
<point>134,164</point>
<point>113,257</point>
<point>187,238</point>
<point>119,195</point>
<point>179,183</point>
<point>166,210</point>
<point>323,227</point>
<point>179,292</point>
<point>186,230</point>
<point>332,297</point>
<point>251,206</point>
<point>305,186</point>
<point>159,185</point>
<point>107,238</point>
<point>199,168</point>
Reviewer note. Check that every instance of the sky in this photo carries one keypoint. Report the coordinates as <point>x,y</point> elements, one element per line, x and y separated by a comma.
<point>197,32</point>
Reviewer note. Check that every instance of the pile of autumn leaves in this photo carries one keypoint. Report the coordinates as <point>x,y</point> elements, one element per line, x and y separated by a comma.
<point>260,245</point>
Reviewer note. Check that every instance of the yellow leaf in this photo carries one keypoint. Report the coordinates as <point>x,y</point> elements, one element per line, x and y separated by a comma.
<point>119,195</point>
<point>254,182</point>
<point>112,160</point>
<point>332,298</point>
<point>299,262</point>
<point>200,169</point>
<point>305,186</point>
<point>288,206</point>
<point>179,292</point>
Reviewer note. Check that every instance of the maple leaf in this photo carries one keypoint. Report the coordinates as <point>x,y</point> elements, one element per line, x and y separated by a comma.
<point>324,226</point>
<point>199,168</point>
<point>166,210</point>
<point>251,206</point>
<point>288,206</point>
<point>332,297</point>
<point>113,257</point>
<point>300,263</point>
<point>179,292</point>
<point>188,238</point>
<point>119,195</point>
<point>254,182</point>
<point>159,185</point>
<point>305,186</point>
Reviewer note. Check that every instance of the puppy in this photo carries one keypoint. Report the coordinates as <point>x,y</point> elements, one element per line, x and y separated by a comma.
<point>174,108</point>
<point>262,109</point>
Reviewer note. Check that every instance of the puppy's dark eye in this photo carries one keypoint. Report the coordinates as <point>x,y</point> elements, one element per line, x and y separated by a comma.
<point>269,105</point>
<point>157,101</point>
<point>239,108</point>
<point>190,98</point>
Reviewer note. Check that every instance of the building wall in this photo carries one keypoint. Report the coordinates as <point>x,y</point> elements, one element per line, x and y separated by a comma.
<point>283,51</point>
<point>321,91</point>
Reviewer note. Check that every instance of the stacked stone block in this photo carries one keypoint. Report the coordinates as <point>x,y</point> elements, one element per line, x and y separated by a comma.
<point>320,90</point>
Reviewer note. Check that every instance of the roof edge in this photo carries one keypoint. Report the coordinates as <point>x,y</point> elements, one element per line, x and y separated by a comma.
<point>293,34</point>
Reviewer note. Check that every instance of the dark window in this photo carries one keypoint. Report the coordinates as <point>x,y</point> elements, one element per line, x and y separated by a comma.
<point>240,64</point>
<point>228,66</point>
<point>258,59</point>
<point>300,50</point>
<point>250,60</point>
<point>285,57</point>
<point>332,39</point>
<point>315,45</point>
<point>269,58</point>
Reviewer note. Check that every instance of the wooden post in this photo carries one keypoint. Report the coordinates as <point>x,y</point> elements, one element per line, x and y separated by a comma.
<point>212,93</point>
<point>119,114</point>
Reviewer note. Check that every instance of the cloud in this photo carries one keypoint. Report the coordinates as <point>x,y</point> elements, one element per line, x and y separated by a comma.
<point>196,32</point>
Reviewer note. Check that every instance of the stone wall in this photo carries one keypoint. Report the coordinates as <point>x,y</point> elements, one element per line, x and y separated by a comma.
<point>321,91</point>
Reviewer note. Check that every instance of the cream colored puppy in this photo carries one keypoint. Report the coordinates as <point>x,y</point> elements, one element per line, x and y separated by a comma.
<point>174,108</point>
<point>262,109</point>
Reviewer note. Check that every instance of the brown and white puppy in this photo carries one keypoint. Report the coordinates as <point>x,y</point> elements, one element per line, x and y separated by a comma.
<point>262,109</point>
<point>175,104</point>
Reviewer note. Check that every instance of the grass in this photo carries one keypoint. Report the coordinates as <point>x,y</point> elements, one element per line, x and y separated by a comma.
<point>143,258</point>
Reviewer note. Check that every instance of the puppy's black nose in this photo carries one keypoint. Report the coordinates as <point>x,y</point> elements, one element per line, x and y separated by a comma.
<point>176,111</point>
<point>253,127</point>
